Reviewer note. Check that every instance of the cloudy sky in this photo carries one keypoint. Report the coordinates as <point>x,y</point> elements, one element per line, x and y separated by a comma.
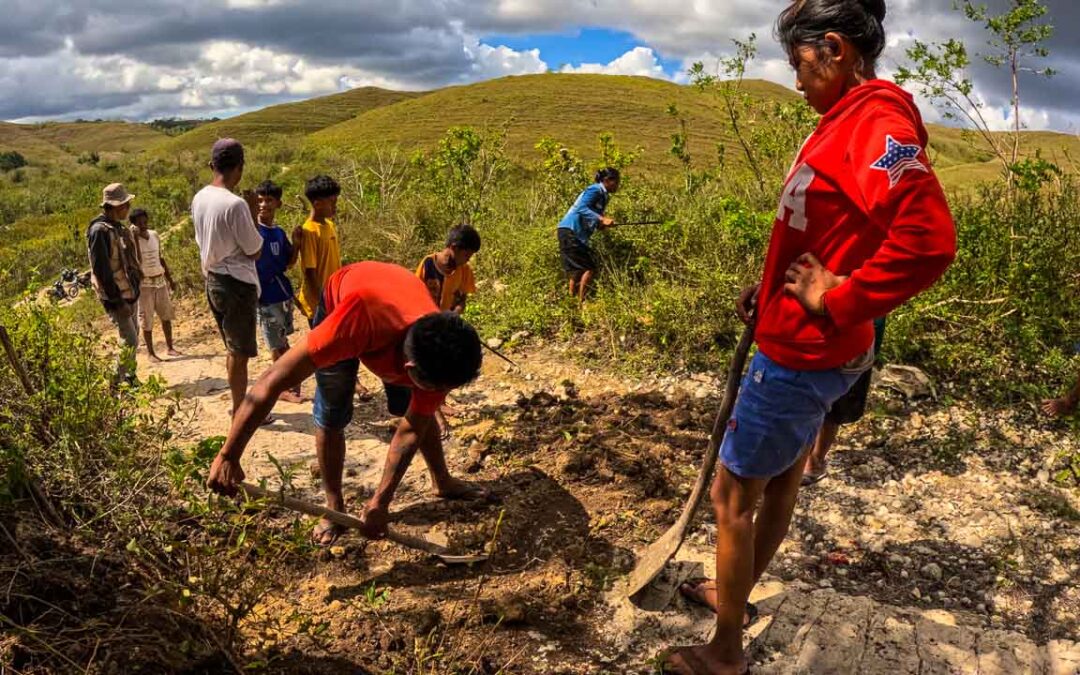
<point>143,59</point>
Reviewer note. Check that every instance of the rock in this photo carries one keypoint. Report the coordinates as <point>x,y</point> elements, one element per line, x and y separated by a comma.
<point>825,583</point>
<point>932,571</point>
<point>519,336</point>
<point>916,593</point>
<point>495,343</point>
<point>908,380</point>
<point>682,419</point>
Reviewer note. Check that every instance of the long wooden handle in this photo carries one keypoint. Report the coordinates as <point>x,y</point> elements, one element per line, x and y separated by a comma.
<point>343,519</point>
<point>731,391</point>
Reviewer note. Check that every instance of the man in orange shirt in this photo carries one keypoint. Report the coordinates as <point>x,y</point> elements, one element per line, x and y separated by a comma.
<point>382,316</point>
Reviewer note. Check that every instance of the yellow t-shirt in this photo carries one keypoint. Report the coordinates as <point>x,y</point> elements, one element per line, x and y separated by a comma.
<point>447,290</point>
<point>319,250</point>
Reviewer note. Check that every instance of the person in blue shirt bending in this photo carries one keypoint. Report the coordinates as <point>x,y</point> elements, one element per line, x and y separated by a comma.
<point>275,289</point>
<point>583,219</point>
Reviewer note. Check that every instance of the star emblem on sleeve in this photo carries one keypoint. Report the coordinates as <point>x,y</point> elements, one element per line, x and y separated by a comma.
<point>898,159</point>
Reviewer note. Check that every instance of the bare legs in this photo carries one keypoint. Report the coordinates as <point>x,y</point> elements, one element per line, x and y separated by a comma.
<point>745,546</point>
<point>818,462</point>
<point>579,284</point>
<point>236,366</point>
<point>148,339</point>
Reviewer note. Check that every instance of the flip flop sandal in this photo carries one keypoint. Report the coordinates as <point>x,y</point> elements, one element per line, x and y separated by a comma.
<point>318,535</point>
<point>695,664</point>
<point>809,479</point>
<point>751,611</point>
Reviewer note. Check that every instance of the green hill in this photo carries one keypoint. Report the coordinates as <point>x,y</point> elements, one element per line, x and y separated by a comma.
<point>64,141</point>
<point>294,119</point>
<point>573,109</point>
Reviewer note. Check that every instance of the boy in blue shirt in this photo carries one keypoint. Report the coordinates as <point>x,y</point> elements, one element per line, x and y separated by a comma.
<point>276,291</point>
<point>579,224</point>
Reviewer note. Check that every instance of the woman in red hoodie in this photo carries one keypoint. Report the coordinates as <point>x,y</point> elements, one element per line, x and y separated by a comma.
<point>863,226</point>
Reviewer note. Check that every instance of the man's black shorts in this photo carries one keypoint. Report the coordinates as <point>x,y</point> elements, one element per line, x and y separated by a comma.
<point>576,256</point>
<point>850,407</point>
<point>234,305</point>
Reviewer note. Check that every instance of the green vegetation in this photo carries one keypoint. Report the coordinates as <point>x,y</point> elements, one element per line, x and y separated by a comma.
<point>132,540</point>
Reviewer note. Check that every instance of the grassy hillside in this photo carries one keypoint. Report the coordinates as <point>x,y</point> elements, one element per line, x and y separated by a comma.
<point>294,119</point>
<point>572,109</point>
<point>21,139</point>
<point>78,137</point>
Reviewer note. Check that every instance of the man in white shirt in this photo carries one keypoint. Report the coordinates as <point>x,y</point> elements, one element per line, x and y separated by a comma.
<point>229,244</point>
<point>157,284</point>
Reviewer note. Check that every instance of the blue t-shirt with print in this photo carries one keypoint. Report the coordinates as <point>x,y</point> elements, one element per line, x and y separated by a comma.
<point>272,265</point>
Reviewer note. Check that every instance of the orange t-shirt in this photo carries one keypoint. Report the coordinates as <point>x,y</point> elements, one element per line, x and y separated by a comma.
<point>369,309</point>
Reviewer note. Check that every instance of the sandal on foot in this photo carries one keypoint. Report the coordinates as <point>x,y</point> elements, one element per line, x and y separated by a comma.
<point>323,530</point>
<point>690,589</point>
<point>809,479</point>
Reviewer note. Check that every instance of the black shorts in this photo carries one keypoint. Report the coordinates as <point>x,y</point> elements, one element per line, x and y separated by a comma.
<point>576,256</point>
<point>234,305</point>
<point>850,407</point>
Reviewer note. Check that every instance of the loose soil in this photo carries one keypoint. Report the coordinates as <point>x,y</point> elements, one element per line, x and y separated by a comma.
<point>939,543</point>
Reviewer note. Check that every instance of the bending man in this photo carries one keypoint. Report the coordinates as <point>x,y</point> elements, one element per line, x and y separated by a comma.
<point>381,315</point>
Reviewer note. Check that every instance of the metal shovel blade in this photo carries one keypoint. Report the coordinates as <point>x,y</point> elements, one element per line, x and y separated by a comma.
<point>352,522</point>
<point>664,549</point>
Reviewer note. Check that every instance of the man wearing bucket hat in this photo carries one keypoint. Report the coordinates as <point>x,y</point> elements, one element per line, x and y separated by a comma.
<point>229,244</point>
<point>115,273</point>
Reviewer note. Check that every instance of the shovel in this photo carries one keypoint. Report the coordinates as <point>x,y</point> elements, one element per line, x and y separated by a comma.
<point>345,520</point>
<point>662,550</point>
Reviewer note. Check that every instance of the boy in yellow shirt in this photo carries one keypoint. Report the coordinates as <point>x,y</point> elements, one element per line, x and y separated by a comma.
<point>447,273</point>
<point>450,280</point>
<point>320,253</point>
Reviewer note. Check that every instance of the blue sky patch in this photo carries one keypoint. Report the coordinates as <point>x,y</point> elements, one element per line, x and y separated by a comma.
<point>584,45</point>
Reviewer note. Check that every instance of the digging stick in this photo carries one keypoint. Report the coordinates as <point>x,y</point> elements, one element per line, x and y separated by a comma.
<point>663,549</point>
<point>36,492</point>
<point>352,522</point>
<point>496,352</point>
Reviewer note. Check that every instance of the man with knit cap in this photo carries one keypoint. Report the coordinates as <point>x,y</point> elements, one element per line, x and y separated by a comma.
<point>229,244</point>
<point>115,274</point>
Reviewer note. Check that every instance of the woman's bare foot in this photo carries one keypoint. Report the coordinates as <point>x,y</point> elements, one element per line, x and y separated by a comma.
<point>703,592</point>
<point>701,660</point>
<point>173,352</point>
<point>1059,407</point>
<point>455,488</point>
<point>154,358</point>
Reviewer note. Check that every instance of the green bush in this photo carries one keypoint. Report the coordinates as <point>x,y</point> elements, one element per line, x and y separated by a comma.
<point>11,160</point>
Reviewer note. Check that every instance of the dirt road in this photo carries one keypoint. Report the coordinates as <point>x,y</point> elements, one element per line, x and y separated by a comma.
<point>938,545</point>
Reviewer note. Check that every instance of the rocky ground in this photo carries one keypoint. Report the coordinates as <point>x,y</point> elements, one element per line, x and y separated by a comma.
<point>939,543</point>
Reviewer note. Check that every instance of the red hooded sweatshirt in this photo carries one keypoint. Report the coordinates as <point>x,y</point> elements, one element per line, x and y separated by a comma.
<point>862,198</point>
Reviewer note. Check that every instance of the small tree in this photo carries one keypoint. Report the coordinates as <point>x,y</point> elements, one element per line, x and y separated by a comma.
<point>1017,37</point>
<point>11,160</point>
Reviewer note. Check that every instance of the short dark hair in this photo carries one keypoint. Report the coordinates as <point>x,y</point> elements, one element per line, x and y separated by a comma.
<point>137,214</point>
<point>321,187</point>
<point>464,237</point>
<point>269,188</point>
<point>445,350</point>
<point>604,174</point>
<point>806,22</point>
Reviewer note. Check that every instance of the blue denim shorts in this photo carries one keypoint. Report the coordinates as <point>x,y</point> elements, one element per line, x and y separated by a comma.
<point>276,322</point>
<point>336,384</point>
<point>777,415</point>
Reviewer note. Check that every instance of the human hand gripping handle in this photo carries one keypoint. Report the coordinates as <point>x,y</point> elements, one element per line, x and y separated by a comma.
<point>746,303</point>
<point>808,280</point>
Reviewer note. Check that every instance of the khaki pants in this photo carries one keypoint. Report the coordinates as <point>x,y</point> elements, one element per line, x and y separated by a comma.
<point>155,300</point>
